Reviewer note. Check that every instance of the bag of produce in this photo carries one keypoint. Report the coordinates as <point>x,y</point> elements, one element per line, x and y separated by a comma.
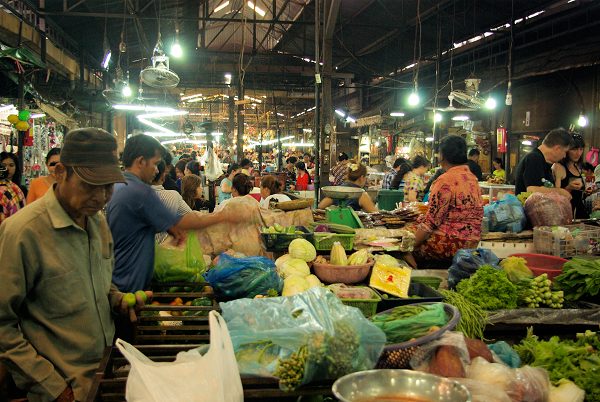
<point>390,276</point>
<point>299,339</point>
<point>404,323</point>
<point>506,215</point>
<point>466,262</point>
<point>548,209</point>
<point>447,356</point>
<point>234,278</point>
<point>179,264</point>
<point>192,377</point>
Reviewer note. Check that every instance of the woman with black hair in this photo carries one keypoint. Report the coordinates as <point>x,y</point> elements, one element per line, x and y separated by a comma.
<point>414,187</point>
<point>339,172</point>
<point>499,172</point>
<point>11,162</point>
<point>403,167</point>
<point>453,219</point>
<point>567,175</point>
<point>241,186</point>
<point>39,186</point>
<point>225,187</point>
<point>302,177</point>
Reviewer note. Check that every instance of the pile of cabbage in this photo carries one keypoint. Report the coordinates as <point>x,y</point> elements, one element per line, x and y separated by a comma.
<point>293,268</point>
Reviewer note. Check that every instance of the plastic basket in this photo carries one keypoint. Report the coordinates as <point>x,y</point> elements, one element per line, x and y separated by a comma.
<point>543,264</point>
<point>387,199</point>
<point>366,306</point>
<point>344,216</point>
<point>580,239</point>
<point>431,281</point>
<point>348,274</point>
<point>399,355</point>
<point>281,241</point>
<point>324,241</point>
<point>424,293</point>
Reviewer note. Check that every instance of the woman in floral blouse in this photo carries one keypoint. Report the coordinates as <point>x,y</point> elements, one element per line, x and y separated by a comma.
<point>414,188</point>
<point>453,220</point>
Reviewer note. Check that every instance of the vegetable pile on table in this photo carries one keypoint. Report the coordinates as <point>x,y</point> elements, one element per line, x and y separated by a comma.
<point>575,360</point>
<point>293,268</point>
<point>473,318</point>
<point>489,288</point>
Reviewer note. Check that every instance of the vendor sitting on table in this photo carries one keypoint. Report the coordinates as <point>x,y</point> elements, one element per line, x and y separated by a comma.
<point>453,219</point>
<point>357,178</point>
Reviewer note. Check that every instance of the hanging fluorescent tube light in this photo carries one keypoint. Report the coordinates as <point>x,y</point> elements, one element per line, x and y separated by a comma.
<point>256,8</point>
<point>340,113</point>
<point>107,52</point>
<point>460,117</point>
<point>397,114</point>
<point>220,7</point>
<point>162,134</point>
<point>298,144</point>
<point>143,108</point>
<point>350,119</point>
<point>37,115</point>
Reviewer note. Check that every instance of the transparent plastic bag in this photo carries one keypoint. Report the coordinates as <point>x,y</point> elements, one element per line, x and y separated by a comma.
<point>234,278</point>
<point>506,215</point>
<point>482,392</point>
<point>299,339</point>
<point>447,356</point>
<point>526,384</point>
<point>506,354</point>
<point>466,262</point>
<point>179,264</point>
<point>548,209</point>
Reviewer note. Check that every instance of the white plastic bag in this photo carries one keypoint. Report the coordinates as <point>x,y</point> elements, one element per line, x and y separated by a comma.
<point>192,377</point>
<point>213,168</point>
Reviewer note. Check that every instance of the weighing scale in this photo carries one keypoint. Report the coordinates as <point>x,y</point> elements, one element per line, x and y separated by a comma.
<point>342,213</point>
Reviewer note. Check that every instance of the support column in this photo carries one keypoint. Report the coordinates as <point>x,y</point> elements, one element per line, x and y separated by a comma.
<point>330,15</point>
<point>240,124</point>
<point>231,122</point>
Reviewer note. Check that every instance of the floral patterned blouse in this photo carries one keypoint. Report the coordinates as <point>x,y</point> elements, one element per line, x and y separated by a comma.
<point>414,182</point>
<point>455,205</point>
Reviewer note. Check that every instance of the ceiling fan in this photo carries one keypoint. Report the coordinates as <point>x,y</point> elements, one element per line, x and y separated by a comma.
<point>469,98</point>
<point>159,75</point>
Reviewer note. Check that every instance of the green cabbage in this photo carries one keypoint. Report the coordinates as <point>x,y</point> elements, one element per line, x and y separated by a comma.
<point>294,266</point>
<point>313,281</point>
<point>302,249</point>
<point>294,284</point>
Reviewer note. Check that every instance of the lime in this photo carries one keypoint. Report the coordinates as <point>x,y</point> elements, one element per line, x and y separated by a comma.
<point>129,299</point>
<point>142,295</point>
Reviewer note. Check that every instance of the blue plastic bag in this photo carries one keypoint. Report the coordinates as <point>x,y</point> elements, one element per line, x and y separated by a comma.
<point>234,278</point>
<point>467,261</point>
<point>506,354</point>
<point>299,339</point>
<point>506,215</point>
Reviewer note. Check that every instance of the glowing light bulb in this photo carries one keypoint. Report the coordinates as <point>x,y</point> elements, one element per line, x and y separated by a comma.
<point>413,99</point>
<point>582,121</point>
<point>126,91</point>
<point>176,50</point>
<point>490,103</point>
<point>437,117</point>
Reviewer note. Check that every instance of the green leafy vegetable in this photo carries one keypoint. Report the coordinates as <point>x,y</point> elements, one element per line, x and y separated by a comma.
<point>489,288</point>
<point>516,269</point>
<point>576,360</point>
<point>580,278</point>
<point>473,318</point>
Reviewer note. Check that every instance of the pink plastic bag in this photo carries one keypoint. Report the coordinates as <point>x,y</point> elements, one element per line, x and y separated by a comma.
<point>548,209</point>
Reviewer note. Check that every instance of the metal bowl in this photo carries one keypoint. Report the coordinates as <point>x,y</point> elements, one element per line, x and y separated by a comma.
<point>391,385</point>
<point>342,192</point>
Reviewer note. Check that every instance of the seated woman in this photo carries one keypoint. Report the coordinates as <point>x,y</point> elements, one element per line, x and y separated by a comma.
<point>241,186</point>
<point>453,219</point>
<point>226,183</point>
<point>567,175</point>
<point>302,177</point>
<point>499,172</point>
<point>414,187</point>
<point>270,189</point>
<point>357,178</point>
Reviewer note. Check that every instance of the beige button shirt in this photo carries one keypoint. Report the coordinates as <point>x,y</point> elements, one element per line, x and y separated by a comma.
<point>55,315</point>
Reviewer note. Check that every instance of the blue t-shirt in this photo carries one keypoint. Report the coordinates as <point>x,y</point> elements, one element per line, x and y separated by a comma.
<point>135,214</point>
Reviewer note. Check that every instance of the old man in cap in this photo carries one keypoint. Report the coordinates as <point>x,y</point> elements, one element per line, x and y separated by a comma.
<point>57,260</point>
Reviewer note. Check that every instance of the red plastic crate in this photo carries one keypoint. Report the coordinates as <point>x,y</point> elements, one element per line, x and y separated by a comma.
<point>543,264</point>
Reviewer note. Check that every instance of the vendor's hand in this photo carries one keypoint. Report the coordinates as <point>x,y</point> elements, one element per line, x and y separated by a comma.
<point>66,396</point>
<point>575,185</point>
<point>126,310</point>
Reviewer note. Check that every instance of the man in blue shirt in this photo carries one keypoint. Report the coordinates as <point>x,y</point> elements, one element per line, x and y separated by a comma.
<point>135,214</point>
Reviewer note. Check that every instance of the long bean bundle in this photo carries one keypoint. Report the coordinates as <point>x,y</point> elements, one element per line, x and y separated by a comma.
<point>473,318</point>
